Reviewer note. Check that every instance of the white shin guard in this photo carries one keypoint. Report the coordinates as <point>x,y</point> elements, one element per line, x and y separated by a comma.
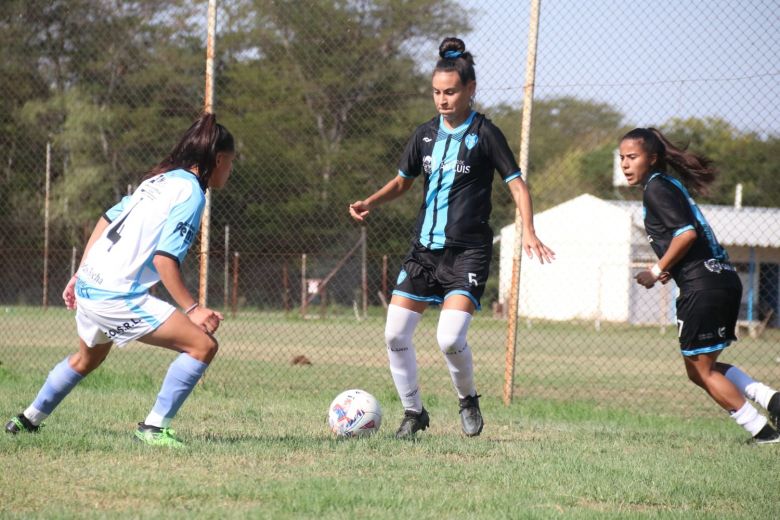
<point>451,335</point>
<point>399,330</point>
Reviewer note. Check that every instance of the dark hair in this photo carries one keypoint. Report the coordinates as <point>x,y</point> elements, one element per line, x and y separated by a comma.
<point>454,57</point>
<point>694,170</point>
<point>198,147</point>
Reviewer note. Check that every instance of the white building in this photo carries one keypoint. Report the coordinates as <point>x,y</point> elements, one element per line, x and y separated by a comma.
<point>601,244</point>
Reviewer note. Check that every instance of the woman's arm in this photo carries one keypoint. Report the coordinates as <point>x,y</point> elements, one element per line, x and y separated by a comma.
<point>678,248</point>
<point>399,185</point>
<point>531,242</point>
<point>170,276</point>
<point>69,294</point>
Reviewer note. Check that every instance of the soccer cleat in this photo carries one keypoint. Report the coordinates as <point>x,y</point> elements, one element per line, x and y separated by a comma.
<point>20,423</point>
<point>767,435</point>
<point>154,436</point>
<point>412,423</point>
<point>470,416</point>
<point>774,410</point>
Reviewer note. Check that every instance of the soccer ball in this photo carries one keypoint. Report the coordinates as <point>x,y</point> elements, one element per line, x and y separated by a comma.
<point>354,413</point>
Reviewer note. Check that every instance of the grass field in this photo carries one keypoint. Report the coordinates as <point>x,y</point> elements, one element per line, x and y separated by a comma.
<point>574,444</point>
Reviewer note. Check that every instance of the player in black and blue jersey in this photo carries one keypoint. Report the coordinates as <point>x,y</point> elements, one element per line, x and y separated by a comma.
<point>456,153</point>
<point>710,289</point>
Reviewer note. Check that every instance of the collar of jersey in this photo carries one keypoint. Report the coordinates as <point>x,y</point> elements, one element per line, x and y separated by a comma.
<point>463,126</point>
<point>653,176</point>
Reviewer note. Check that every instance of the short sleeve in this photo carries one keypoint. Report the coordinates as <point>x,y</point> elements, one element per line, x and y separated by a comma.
<point>501,156</point>
<point>669,206</point>
<point>410,165</point>
<point>181,227</point>
<point>115,211</point>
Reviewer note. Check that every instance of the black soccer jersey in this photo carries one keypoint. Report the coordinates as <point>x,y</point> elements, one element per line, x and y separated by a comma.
<point>669,210</point>
<point>458,165</point>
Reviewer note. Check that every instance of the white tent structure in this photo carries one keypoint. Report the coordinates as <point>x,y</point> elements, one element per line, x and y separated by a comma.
<point>601,244</point>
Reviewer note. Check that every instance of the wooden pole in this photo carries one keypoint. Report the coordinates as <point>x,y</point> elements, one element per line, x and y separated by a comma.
<point>208,107</point>
<point>227,268</point>
<point>364,269</point>
<point>384,275</point>
<point>525,136</point>
<point>47,191</point>
<point>285,287</point>
<point>304,300</point>
<point>235,283</point>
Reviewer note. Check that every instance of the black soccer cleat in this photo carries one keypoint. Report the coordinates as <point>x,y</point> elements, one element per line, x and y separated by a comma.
<point>767,435</point>
<point>412,423</point>
<point>20,423</point>
<point>774,410</point>
<point>470,416</point>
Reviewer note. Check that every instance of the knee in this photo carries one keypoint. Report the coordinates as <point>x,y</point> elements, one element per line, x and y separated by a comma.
<point>86,364</point>
<point>205,349</point>
<point>396,339</point>
<point>696,376</point>
<point>450,343</point>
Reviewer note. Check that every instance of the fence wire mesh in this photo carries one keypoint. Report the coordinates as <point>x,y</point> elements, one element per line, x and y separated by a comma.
<point>322,96</point>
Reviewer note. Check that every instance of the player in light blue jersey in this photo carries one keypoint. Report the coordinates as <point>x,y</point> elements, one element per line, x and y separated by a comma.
<point>136,244</point>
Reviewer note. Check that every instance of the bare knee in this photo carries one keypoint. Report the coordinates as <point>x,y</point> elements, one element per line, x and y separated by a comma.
<point>696,376</point>
<point>86,362</point>
<point>204,349</point>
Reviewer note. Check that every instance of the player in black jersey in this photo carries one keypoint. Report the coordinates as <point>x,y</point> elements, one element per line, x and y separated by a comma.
<point>456,153</point>
<point>710,289</point>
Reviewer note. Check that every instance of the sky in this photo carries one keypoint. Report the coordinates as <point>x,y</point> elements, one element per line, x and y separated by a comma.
<point>652,60</point>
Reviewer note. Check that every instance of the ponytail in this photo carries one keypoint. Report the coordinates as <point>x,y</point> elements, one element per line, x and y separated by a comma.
<point>198,147</point>
<point>695,170</point>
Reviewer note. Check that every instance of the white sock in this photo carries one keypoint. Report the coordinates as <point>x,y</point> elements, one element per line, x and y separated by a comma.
<point>399,330</point>
<point>34,415</point>
<point>749,418</point>
<point>749,387</point>
<point>451,335</point>
<point>760,393</point>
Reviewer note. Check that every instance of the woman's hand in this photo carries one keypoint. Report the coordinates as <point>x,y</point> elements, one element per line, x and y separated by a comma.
<point>532,244</point>
<point>359,210</point>
<point>206,319</point>
<point>69,294</point>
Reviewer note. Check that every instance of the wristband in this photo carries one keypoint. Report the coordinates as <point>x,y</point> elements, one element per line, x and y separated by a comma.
<point>191,308</point>
<point>656,270</point>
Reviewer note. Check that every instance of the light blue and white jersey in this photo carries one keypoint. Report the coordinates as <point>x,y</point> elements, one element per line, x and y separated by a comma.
<point>162,217</point>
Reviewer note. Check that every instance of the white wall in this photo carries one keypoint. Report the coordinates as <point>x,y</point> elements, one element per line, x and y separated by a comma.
<point>589,278</point>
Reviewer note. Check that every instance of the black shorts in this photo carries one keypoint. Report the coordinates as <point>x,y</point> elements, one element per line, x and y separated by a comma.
<point>707,318</point>
<point>434,275</point>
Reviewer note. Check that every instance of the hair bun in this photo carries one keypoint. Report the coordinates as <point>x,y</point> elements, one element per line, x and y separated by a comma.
<point>451,48</point>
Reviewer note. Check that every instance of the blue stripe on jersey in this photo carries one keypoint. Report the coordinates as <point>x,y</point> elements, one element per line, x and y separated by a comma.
<point>444,159</point>
<point>682,230</point>
<point>404,174</point>
<point>717,251</point>
<point>513,176</point>
<point>705,350</point>
<point>88,292</point>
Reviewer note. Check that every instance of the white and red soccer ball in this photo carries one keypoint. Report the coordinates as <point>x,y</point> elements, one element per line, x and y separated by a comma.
<point>354,413</point>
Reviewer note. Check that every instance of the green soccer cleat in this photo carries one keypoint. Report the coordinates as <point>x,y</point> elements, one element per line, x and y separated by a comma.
<point>20,423</point>
<point>154,436</point>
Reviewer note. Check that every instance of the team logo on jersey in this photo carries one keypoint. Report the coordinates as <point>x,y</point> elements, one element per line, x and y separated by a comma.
<point>471,141</point>
<point>427,139</point>
<point>722,332</point>
<point>185,230</point>
<point>427,160</point>
<point>401,277</point>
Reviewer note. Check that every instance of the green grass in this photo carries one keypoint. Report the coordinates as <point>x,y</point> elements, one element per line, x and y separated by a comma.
<point>266,453</point>
<point>604,425</point>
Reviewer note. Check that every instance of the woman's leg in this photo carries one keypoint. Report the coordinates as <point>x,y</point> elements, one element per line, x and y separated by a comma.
<point>197,350</point>
<point>702,371</point>
<point>403,315</point>
<point>454,321</point>
<point>61,380</point>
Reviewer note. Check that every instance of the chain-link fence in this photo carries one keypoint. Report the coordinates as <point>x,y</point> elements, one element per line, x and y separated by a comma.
<point>322,96</point>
